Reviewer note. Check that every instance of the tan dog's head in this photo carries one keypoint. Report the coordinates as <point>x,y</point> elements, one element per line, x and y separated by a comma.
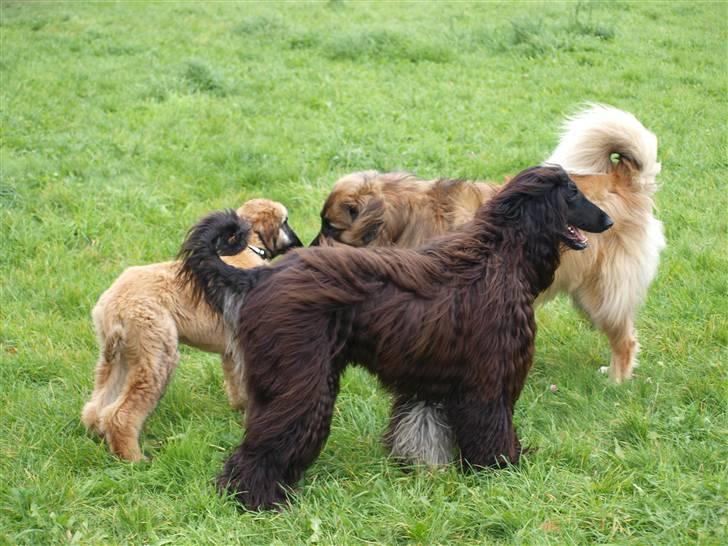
<point>270,230</point>
<point>357,211</point>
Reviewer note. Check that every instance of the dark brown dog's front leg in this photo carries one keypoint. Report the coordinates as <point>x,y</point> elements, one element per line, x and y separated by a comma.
<point>283,437</point>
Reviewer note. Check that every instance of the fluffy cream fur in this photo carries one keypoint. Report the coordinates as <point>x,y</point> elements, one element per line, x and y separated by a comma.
<point>610,281</point>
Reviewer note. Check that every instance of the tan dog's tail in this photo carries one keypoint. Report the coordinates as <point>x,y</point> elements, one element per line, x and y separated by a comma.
<point>113,344</point>
<point>593,136</point>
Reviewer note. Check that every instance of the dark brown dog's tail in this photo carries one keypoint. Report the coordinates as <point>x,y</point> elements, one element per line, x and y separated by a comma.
<point>221,285</point>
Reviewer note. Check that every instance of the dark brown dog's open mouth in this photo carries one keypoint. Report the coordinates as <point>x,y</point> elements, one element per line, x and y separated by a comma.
<point>574,238</point>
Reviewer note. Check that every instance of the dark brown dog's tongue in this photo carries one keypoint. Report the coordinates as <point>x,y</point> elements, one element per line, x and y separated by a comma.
<point>576,234</point>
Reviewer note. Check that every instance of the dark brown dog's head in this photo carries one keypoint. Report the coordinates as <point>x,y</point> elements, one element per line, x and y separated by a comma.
<point>545,201</point>
<point>271,233</point>
<point>358,213</point>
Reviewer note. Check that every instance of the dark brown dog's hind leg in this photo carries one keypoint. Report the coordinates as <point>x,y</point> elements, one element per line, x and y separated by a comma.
<point>484,431</point>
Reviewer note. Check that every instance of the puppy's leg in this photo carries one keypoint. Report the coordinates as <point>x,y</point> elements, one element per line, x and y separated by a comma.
<point>90,412</point>
<point>283,436</point>
<point>110,374</point>
<point>233,370</point>
<point>145,383</point>
<point>484,431</point>
<point>419,432</point>
<point>614,315</point>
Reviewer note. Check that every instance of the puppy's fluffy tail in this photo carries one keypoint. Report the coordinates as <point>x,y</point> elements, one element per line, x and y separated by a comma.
<point>593,136</point>
<point>221,285</point>
<point>113,344</point>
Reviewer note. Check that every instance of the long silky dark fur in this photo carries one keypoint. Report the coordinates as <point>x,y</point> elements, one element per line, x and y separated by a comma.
<point>451,323</point>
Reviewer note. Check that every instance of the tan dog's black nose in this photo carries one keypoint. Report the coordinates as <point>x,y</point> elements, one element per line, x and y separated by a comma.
<point>290,238</point>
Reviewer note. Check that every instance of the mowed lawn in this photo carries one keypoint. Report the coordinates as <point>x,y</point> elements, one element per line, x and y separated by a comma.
<point>123,123</point>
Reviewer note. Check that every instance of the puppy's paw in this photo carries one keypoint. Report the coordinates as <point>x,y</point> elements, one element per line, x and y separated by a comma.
<point>604,370</point>
<point>89,418</point>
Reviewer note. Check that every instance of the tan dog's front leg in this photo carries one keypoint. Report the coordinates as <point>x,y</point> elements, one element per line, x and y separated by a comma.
<point>234,382</point>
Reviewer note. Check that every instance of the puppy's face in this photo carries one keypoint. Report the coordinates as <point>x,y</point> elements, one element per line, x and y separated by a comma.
<point>269,222</point>
<point>354,213</point>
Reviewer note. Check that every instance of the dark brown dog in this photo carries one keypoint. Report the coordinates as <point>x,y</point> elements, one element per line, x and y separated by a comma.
<point>451,322</point>
<point>608,282</point>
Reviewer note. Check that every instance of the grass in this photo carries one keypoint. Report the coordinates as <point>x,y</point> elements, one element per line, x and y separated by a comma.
<point>122,123</point>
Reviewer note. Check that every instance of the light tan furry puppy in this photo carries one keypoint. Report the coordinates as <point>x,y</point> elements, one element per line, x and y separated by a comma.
<point>142,317</point>
<point>612,158</point>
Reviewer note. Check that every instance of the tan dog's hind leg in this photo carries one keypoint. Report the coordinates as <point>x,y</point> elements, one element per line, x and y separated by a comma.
<point>110,376</point>
<point>146,382</point>
<point>90,413</point>
<point>234,382</point>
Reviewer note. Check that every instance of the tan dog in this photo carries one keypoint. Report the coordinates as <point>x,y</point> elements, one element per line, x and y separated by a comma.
<point>608,281</point>
<point>141,319</point>
<point>370,208</point>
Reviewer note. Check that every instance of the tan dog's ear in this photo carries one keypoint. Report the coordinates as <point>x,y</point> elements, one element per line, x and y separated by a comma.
<point>367,218</point>
<point>268,233</point>
<point>397,212</point>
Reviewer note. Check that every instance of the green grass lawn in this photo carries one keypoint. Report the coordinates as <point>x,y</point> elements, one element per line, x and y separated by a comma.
<point>123,123</point>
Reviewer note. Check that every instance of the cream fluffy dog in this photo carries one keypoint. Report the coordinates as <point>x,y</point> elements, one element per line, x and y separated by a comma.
<point>142,317</point>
